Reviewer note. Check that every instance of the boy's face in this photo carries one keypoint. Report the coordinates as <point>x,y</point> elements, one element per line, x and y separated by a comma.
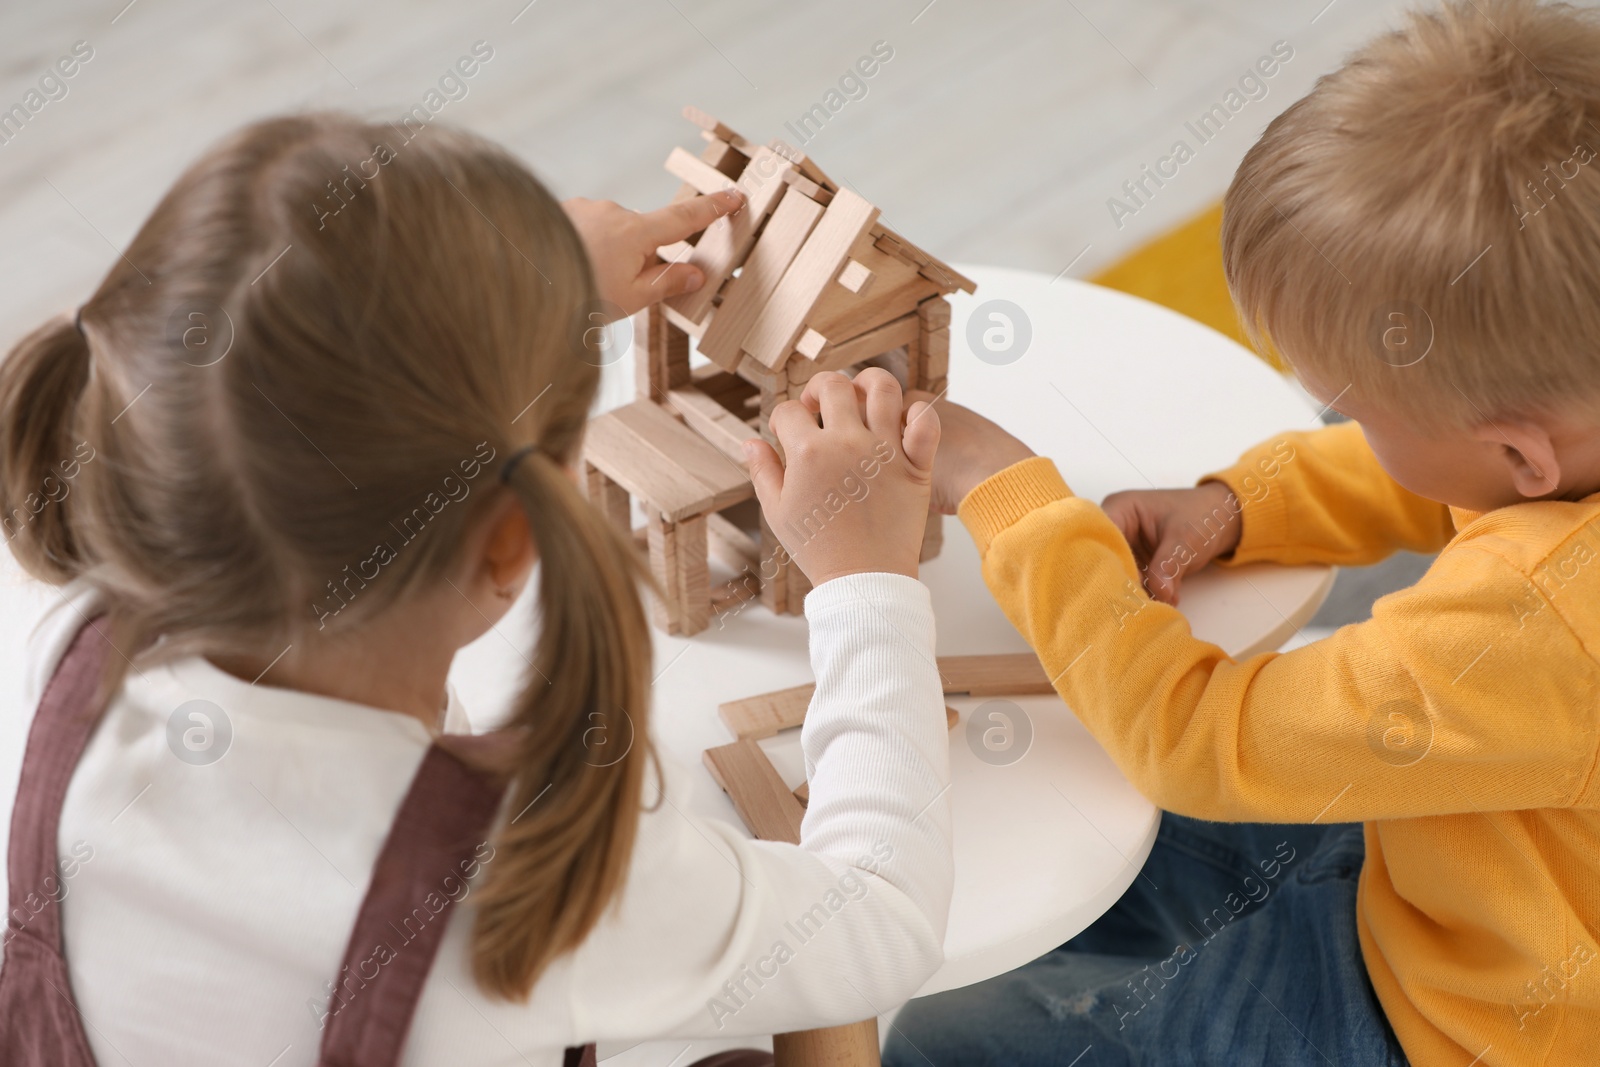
<point>1459,467</point>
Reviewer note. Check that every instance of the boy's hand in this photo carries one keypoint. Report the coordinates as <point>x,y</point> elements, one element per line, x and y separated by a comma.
<point>1175,531</point>
<point>971,449</point>
<point>622,245</point>
<point>852,494</point>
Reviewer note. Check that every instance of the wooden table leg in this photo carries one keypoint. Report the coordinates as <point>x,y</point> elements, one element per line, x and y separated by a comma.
<point>855,1045</point>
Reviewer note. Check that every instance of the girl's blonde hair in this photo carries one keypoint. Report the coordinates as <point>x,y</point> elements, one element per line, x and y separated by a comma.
<point>290,399</point>
<point>1423,228</point>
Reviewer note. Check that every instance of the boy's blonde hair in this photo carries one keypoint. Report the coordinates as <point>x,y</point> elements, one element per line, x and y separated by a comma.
<point>1423,228</point>
<point>288,403</point>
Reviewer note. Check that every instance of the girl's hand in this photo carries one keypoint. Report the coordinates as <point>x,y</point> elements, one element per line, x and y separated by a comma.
<point>971,449</point>
<point>851,494</point>
<point>622,245</point>
<point>1175,531</point>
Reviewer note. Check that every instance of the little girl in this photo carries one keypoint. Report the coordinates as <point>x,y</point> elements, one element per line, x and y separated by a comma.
<point>284,463</point>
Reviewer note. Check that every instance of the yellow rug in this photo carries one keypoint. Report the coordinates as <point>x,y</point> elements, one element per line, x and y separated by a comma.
<point>1182,270</point>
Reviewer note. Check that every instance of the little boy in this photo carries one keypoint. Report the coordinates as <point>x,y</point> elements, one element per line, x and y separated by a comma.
<point>1419,238</point>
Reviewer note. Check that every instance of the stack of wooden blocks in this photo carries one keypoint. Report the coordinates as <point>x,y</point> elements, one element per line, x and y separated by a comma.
<point>804,279</point>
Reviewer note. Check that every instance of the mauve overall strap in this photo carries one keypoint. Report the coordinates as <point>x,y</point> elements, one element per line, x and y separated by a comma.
<point>61,730</point>
<point>446,815</point>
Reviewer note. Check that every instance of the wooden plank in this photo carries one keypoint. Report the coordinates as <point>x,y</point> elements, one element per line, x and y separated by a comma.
<point>800,183</point>
<point>802,793</point>
<point>724,430</point>
<point>723,246</point>
<point>896,290</point>
<point>772,336</point>
<point>1007,674</point>
<point>768,713</point>
<point>665,609</point>
<point>721,155</point>
<point>732,545</point>
<point>766,805</point>
<point>692,329</point>
<point>805,163</point>
<point>932,267</point>
<point>708,124</point>
<point>724,482</point>
<point>794,602</point>
<point>676,252</point>
<point>934,313</point>
<point>792,221</point>
<point>935,351</point>
<point>656,480</point>
<point>609,497</point>
<point>725,387</point>
<point>874,342</point>
<point>774,574</point>
<point>691,577</point>
<point>660,353</point>
<point>697,172</point>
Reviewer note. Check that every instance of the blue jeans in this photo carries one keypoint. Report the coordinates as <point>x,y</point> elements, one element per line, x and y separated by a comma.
<point>1236,945</point>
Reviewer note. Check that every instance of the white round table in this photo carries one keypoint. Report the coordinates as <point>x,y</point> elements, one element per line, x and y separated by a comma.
<point>1122,394</point>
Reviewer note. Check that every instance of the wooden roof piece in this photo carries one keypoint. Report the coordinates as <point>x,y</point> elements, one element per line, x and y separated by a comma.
<point>808,266</point>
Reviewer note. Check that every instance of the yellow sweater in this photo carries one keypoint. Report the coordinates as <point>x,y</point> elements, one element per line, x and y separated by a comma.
<point>1459,723</point>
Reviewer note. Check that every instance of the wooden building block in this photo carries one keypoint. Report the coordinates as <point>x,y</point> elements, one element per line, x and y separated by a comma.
<point>767,714</point>
<point>935,348</point>
<point>726,388</point>
<point>609,497</point>
<point>855,276</point>
<point>874,342</point>
<point>663,463</point>
<point>934,313</point>
<point>722,155</point>
<point>802,793</point>
<point>934,269</point>
<point>724,430</point>
<point>692,329</point>
<point>731,544</point>
<point>801,183</point>
<point>799,585</point>
<point>897,289</point>
<point>678,564</point>
<point>1001,675</point>
<point>777,327</point>
<point>811,344</point>
<point>723,246</point>
<point>662,545</point>
<point>792,221</point>
<point>775,564</point>
<point>697,172</point>
<point>707,123</point>
<point>805,163</point>
<point>660,353</point>
<point>766,805</point>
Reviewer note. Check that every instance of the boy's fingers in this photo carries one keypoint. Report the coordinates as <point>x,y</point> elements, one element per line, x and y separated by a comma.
<point>839,402</point>
<point>882,401</point>
<point>921,438</point>
<point>766,472</point>
<point>675,222</point>
<point>790,422</point>
<point>1166,569</point>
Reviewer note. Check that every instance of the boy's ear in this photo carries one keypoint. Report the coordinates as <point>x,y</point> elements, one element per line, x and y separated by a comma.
<point>1528,453</point>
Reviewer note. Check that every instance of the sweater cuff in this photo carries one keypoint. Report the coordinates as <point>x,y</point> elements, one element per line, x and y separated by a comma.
<point>1003,499</point>
<point>1263,514</point>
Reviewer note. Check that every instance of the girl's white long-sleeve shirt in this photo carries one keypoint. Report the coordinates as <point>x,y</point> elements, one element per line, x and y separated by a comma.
<point>216,900</point>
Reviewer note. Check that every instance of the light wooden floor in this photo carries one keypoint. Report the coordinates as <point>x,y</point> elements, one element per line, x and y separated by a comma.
<point>996,133</point>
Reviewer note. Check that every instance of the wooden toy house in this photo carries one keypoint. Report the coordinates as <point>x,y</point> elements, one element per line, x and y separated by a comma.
<point>804,279</point>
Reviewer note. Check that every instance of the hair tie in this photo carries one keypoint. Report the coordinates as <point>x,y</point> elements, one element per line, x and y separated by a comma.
<point>515,458</point>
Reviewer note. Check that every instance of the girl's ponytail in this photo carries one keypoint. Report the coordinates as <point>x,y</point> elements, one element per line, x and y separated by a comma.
<point>581,724</point>
<point>40,383</point>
